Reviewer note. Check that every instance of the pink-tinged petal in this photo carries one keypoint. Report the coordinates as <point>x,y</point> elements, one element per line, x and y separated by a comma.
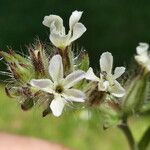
<point>57,106</point>
<point>118,72</point>
<point>90,75</point>
<point>74,95</point>
<point>74,78</point>
<point>106,62</point>
<point>42,84</point>
<point>56,68</point>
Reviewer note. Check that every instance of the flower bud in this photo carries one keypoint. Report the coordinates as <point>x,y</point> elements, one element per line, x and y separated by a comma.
<point>27,104</point>
<point>94,96</point>
<point>82,61</point>
<point>111,112</point>
<point>38,59</point>
<point>136,93</point>
<point>46,111</point>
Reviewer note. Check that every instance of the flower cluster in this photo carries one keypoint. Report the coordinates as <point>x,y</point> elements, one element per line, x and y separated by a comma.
<point>59,86</point>
<point>54,76</point>
<point>107,81</point>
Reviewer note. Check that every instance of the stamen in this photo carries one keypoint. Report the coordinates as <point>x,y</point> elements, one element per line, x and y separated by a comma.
<point>59,89</point>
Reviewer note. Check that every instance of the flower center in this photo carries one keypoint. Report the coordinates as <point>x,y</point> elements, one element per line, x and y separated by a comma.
<point>59,89</point>
<point>104,75</point>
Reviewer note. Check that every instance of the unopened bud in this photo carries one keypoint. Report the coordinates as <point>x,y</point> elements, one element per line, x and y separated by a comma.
<point>136,93</point>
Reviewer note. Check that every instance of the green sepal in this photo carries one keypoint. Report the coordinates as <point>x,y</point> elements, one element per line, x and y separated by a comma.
<point>27,104</point>
<point>46,112</point>
<point>13,57</point>
<point>8,57</point>
<point>83,61</point>
<point>136,94</point>
<point>111,113</point>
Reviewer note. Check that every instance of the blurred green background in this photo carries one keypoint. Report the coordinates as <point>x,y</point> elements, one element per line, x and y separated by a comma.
<point>69,129</point>
<point>112,25</point>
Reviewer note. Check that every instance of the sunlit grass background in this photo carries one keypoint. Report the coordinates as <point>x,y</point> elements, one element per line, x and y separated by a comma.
<point>69,130</point>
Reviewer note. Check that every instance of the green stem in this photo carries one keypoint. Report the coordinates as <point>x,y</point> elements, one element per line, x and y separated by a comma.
<point>145,140</point>
<point>127,132</point>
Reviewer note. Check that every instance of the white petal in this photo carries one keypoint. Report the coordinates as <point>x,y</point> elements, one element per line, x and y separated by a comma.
<point>74,78</point>
<point>148,66</point>
<point>56,68</point>
<point>74,95</point>
<point>56,20</point>
<point>106,62</point>
<point>42,84</point>
<point>142,48</point>
<point>90,75</point>
<point>142,59</point>
<point>78,30</point>
<point>58,40</point>
<point>74,18</point>
<point>118,72</point>
<point>117,90</point>
<point>57,106</point>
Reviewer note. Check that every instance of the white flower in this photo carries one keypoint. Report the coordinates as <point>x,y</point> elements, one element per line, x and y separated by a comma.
<point>58,35</point>
<point>107,81</point>
<point>59,86</point>
<point>142,56</point>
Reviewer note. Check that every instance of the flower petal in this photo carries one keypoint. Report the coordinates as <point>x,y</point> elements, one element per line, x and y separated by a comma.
<point>55,20</point>
<point>74,95</point>
<point>74,78</point>
<point>57,106</point>
<point>42,84</point>
<point>90,75</point>
<point>59,40</point>
<point>142,59</point>
<point>117,90</point>
<point>143,56</point>
<point>106,62</point>
<point>142,48</point>
<point>118,72</point>
<point>74,18</point>
<point>56,68</point>
<point>78,30</point>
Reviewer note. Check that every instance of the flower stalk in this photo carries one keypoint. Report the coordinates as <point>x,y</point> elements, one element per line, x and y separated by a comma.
<point>127,132</point>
